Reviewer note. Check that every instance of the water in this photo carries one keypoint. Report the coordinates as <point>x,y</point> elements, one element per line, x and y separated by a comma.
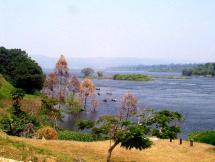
<point>195,98</point>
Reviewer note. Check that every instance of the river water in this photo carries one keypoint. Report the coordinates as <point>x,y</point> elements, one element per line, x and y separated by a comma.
<point>194,97</point>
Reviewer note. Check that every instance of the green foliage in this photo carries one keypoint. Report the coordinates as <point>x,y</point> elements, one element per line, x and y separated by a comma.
<point>134,137</point>
<point>87,72</point>
<point>5,88</point>
<point>165,122</point>
<point>104,126</point>
<point>135,77</point>
<point>203,69</point>
<point>132,134</point>
<point>100,74</point>
<point>19,123</point>
<point>187,72</point>
<point>17,96</point>
<point>155,68</point>
<point>86,124</point>
<point>5,124</point>
<point>20,70</point>
<point>15,124</point>
<point>77,136</point>
<point>204,137</point>
<point>49,113</point>
<point>74,104</point>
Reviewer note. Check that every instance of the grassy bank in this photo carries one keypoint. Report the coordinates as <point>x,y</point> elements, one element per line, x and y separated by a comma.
<point>5,88</point>
<point>12,148</point>
<point>162,151</point>
<point>134,77</point>
<point>204,137</point>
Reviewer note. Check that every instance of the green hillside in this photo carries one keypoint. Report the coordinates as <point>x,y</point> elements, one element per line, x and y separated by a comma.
<point>5,88</point>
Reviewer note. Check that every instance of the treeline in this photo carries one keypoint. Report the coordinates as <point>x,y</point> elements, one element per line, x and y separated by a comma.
<point>156,68</point>
<point>20,70</point>
<point>203,69</point>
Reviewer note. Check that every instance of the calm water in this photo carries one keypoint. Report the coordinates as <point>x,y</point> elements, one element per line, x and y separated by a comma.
<point>195,98</point>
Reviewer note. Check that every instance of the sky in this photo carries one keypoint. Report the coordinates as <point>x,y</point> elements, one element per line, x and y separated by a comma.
<point>174,30</point>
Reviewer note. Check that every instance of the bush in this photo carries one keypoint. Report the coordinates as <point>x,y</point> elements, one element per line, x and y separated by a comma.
<point>135,77</point>
<point>47,133</point>
<point>204,137</point>
<point>76,136</point>
<point>86,124</point>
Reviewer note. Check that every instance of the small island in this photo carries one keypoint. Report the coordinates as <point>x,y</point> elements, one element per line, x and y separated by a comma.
<point>133,77</point>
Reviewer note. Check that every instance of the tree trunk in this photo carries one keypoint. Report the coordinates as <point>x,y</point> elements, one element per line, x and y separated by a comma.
<point>110,151</point>
<point>85,103</point>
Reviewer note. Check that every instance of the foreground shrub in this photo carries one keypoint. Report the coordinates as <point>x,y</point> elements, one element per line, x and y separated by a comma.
<point>16,121</point>
<point>47,133</point>
<point>204,137</point>
<point>76,136</point>
<point>86,124</point>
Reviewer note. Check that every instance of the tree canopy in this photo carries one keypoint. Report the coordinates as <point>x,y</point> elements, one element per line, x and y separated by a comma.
<point>87,72</point>
<point>203,69</point>
<point>18,68</point>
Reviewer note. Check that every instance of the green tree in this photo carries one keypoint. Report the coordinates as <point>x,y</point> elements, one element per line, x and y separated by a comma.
<point>17,96</point>
<point>167,124</point>
<point>100,73</point>
<point>87,72</point>
<point>21,70</point>
<point>130,133</point>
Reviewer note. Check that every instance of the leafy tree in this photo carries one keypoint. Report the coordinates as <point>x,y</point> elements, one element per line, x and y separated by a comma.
<point>100,73</point>
<point>130,133</point>
<point>17,96</point>
<point>202,69</point>
<point>20,69</point>
<point>167,124</point>
<point>187,72</point>
<point>87,72</point>
<point>50,112</point>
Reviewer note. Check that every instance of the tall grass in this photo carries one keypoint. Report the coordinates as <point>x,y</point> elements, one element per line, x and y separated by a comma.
<point>204,137</point>
<point>5,88</point>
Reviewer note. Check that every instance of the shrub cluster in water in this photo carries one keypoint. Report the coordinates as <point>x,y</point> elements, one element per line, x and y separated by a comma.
<point>135,77</point>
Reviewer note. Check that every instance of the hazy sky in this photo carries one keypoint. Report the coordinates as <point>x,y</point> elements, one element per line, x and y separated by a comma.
<point>177,30</point>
